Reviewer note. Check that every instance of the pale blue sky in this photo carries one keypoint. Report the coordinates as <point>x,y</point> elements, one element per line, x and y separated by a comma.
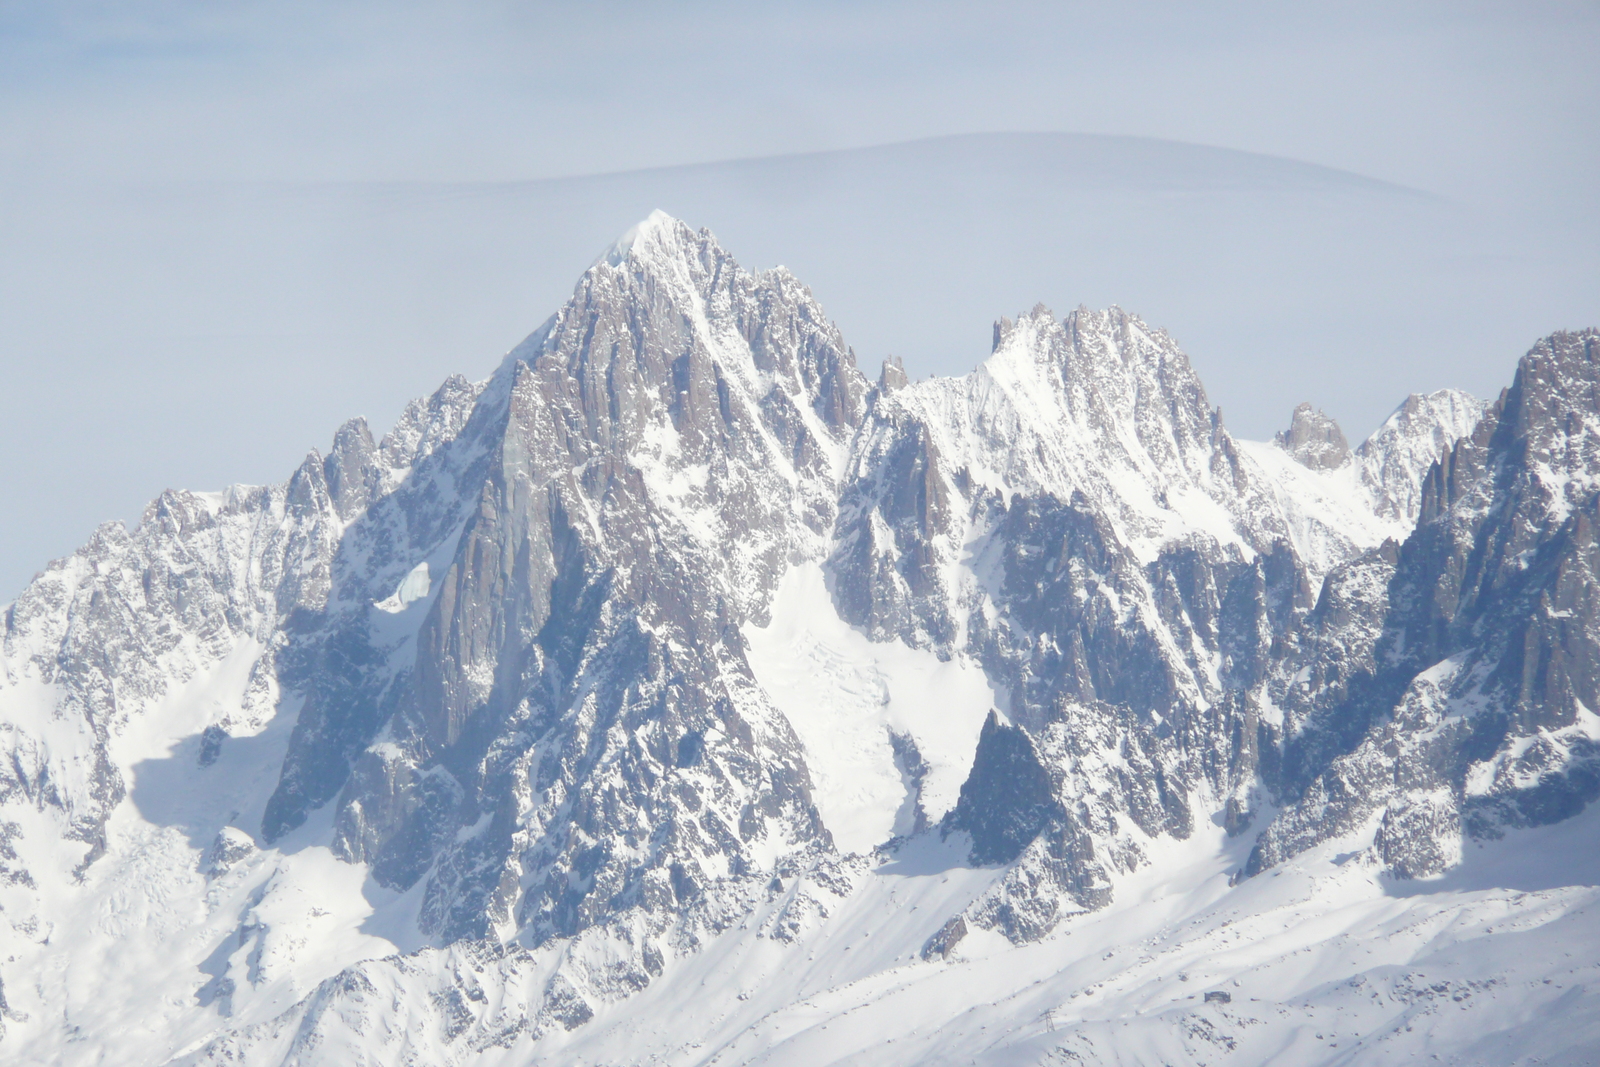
<point>206,262</point>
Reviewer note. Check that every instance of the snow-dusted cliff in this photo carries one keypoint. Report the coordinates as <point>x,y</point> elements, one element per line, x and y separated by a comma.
<point>680,695</point>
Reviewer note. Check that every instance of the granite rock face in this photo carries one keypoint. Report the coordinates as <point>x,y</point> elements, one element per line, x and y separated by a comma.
<point>581,736</point>
<point>1314,440</point>
<point>504,653</point>
<point>1465,708</point>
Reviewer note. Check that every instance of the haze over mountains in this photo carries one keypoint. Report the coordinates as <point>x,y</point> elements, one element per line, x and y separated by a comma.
<point>681,693</point>
<point>1352,292</point>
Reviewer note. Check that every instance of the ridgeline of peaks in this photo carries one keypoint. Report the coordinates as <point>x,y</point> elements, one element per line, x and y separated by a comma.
<point>679,636</point>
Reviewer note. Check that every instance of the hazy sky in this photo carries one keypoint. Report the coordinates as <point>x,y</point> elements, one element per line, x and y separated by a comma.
<point>1461,98</point>
<point>206,261</point>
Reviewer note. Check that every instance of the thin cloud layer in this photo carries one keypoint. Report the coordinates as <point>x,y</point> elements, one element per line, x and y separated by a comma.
<point>227,228</point>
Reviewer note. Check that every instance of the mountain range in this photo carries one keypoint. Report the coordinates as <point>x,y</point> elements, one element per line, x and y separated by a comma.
<point>680,694</point>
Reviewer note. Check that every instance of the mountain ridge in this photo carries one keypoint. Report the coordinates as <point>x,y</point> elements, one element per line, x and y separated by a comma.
<point>579,755</point>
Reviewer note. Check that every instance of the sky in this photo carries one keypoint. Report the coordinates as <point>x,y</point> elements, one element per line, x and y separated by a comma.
<point>226,226</point>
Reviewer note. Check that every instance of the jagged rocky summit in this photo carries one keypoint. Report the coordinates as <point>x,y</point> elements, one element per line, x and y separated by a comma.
<point>679,649</point>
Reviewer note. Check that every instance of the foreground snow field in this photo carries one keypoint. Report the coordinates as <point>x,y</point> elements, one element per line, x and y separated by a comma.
<point>1326,961</point>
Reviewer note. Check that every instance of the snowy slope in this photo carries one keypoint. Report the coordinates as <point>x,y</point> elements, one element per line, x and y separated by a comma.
<point>678,695</point>
<point>855,702</point>
<point>1345,501</point>
<point>133,897</point>
<point>1326,961</point>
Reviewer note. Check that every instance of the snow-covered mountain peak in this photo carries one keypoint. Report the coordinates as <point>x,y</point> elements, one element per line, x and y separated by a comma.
<point>1393,463</point>
<point>1097,402</point>
<point>1089,345</point>
<point>655,228</point>
<point>666,250</point>
<point>712,330</point>
<point>1109,373</point>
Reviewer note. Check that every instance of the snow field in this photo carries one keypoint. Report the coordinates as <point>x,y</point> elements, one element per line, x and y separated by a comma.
<point>1325,961</point>
<point>845,694</point>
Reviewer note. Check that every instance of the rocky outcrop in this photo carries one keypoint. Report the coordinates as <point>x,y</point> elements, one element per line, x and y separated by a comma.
<point>1314,440</point>
<point>1008,798</point>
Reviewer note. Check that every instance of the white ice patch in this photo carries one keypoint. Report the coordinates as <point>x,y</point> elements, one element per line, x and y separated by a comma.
<point>844,694</point>
<point>413,588</point>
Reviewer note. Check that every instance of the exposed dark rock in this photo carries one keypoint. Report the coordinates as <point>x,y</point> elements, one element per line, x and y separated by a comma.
<point>945,939</point>
<point>1007,800</point>
<point>211,739</point>
<point>1236,818</point>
